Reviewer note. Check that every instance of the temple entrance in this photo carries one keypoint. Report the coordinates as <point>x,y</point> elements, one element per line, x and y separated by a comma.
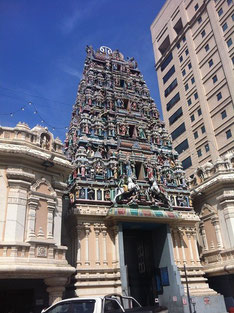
<point>23,295</point>
<point>142,255</point>
<point>16,301</point>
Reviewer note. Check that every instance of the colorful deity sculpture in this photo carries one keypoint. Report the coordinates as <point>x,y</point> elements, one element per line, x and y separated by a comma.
<point>116,138</point>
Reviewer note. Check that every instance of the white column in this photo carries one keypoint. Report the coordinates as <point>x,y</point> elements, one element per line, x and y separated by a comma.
<point>174,233</point>
<point>115,246</point>
<point>215,221</point>
<point>204,239</point>
<point>33,204</point>
<point>104,234</point>
<point>79,228</point>
<point>97,232</point>
<point>87,231</point>
<point>181,235</point>
<point>58,218</point>
<point>16,212</point>
<point>50,218</point>
<point>188,233</point>
<point>226,201</point>
<point>195,247</point>
<point>113,250</point>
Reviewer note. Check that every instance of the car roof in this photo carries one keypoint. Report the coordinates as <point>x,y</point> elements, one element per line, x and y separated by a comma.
<point>74,299</point>
<point>80,298</point>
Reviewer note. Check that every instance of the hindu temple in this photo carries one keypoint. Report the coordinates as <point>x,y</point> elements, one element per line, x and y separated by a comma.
<point>130,220</point>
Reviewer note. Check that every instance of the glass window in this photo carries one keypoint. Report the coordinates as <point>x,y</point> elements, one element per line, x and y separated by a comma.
<point>182,146</point>
<point>86,306</point>
<point>199,20</point>
<point>169,74</point>
<point>228,134</point>
<point>207,148</point>
<point>220,12</point>
<point>233,17</point>
<point>173,101</point>
<point>189,66</point>
<point>192,80</point>
<point>229,42</point>
<point>178,131</point>
<point>207,47</point>
<point>170,87</point>
<point>73,306</point>
<point>195,95</point>
<point>223,114</point>
<point>195,134</point>
<point>203,129</point>
<point>174,117</point>
<point>199,112</point>
<point>196,7</point>
<point>186,52</point>
<point>178,45</point>
<point>60,308</point>
<point>219,96</point>
<point>186,87</point>
<point>181,58</point>
<point>210,62</point>
<point>111,305</point>
<point>224,27</point>
<point>183,72</point>
<point>203,33</point>
<point>166,62</point>
<point>186,163</point>
<point>229,2</point>
<point>184,39</point>
<point>199,153</point>
<point>233,60</point>
<point>189,101</point>
<point>192,117</point>
<point>214,78</point>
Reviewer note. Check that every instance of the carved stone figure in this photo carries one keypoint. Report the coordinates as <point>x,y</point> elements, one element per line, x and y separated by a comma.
<point>91,194</point>
<point>44,142</point>
<point>159,193</point>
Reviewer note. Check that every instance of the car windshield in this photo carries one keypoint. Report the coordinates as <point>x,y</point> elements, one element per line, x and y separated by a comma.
<point>73,306</point>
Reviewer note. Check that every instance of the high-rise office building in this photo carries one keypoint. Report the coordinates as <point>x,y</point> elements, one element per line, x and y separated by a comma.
<point>193,44</point>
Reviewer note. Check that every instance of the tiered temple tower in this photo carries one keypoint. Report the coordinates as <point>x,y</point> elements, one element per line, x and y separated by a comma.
<point>130,220</point>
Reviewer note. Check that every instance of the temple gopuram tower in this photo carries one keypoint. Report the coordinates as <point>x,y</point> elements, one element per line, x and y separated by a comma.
<point>130,220</point>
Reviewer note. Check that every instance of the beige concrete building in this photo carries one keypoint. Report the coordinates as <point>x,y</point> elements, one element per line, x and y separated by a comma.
<point>193,44</point>
<point>33,172</point>
<point>212,190</point>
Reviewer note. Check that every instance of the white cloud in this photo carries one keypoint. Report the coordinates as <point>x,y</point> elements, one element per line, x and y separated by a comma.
<point>71,71</point>
<point>80,13</point>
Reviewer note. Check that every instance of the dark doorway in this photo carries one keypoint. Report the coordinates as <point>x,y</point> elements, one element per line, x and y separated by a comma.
<point>138,253</point>
<point>23,295</point>
<point>16,301</point>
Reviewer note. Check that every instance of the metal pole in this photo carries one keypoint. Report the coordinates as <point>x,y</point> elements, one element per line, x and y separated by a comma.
<point>186,280</point>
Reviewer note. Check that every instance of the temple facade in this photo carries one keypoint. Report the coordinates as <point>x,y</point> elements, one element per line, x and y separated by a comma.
<point>33,174</point>
<point>212,191</point>
<point>130,222</point>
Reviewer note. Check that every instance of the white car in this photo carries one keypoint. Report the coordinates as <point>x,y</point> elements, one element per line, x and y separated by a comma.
<point>109,304</point>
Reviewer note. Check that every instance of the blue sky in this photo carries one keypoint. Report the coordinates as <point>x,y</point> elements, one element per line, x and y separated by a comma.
<point>43,51</point>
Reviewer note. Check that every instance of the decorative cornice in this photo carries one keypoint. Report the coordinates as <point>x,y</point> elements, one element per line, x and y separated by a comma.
<point>221,178</point>
<point>20,173</point>
<point>34,153</point>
